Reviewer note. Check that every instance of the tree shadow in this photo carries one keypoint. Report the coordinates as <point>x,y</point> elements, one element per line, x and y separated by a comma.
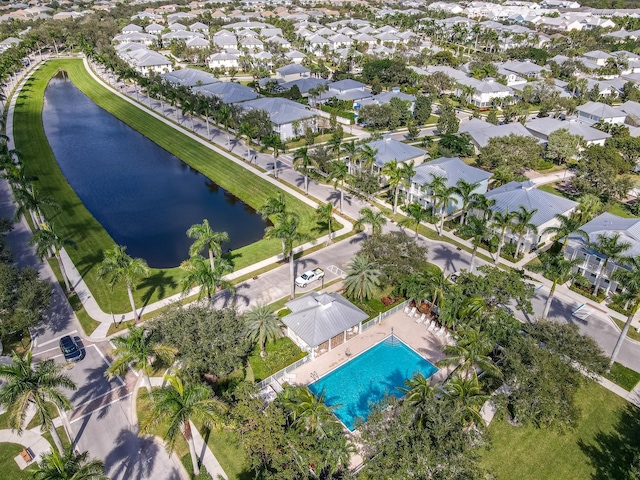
<point>135,457</point>
<point>88,261</point>
<point>96,391</point>
<point>613,453</point>
<point>452,259</point>
<point>158,282</point>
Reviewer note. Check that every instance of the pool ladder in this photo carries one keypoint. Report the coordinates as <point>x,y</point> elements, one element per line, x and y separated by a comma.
<point>314,375</point>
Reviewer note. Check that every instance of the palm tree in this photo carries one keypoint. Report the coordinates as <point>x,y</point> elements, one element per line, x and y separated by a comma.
<point>26,384</point>
<point>611,248</point>
<point>407,172</point>
<point>502,221</point>
<point>367,155</point>
<point>287,231</point>
<point>225,115</point>
<point>273,206</point>
<point>416,214</point>
<point>176,405</point>
<point>559,270</point>
<point>69,465</point>
<point>466,394</point>
<point>630,278</point>
<point>325,215</point>
<point>373,218</point>
<point>308,411</point>
<point>206,239</point>
<point>339,173</point>
<point>210,280</point>
<point>138,350</point>
<point>263,326</point>
<point>589,206</point>
<point>246,130</point>
<point>522,225</point>
<point>350,150</point>
<point>482,203</point>
<point>302,161</point>
<point>395,177</point>
<point>442,195</point>
<point>363,277</point>
<point>567,225</point>
<point>47,240</point>
<point>465,190</point>
<point>122,268</point>
<point>478,232</point>
<point>31,202</point>
<point>419,391</point>
<point>435,284</point>
<point>471,351</point>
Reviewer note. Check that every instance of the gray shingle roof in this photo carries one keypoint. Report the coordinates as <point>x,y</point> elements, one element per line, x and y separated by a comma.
<point>280,110</point>
<point>189,77</point>
<point>513,195</point>
<point>608,224</point>
<point>389,149</point>
<point>228,92</point>
<point>317,317</point>
<point>304,84</point>
<point>453,169</point>
<point>601,110</point>
<point>481,136</point>
<point>548,125</point>
<point>291,69</point>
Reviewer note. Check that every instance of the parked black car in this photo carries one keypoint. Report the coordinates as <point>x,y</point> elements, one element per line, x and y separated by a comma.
<point>70,349</point>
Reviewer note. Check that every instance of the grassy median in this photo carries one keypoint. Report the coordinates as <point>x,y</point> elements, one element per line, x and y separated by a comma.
<point>74,221</point>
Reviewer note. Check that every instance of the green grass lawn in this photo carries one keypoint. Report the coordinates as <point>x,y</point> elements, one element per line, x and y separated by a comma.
<point>8,465</point>
<point>281,353</point>
<point>600,447</point>
<point>623,376</point>
<point>74,221</point>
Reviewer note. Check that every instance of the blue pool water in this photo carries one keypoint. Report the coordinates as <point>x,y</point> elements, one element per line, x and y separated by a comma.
<point>367,378</point>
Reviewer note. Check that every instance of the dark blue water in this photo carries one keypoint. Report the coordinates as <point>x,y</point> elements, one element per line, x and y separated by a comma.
<point>143,196</point>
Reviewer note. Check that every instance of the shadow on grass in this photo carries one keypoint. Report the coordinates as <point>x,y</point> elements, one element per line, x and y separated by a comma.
<point>612,454</point>
<point>157,284</point>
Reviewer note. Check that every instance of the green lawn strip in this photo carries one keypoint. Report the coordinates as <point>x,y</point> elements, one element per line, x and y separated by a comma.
<point>35,421</point>
<point>280,354</point>
<point>75,222</point>
<point>632,333</point>
<point>225,446</point>
<point>9,467</point>
<point>623,376</point>
<point>62,433</point>
<point>528,452</point>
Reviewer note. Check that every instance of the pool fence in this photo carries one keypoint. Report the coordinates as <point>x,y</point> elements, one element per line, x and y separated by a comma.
<point>382,315</point>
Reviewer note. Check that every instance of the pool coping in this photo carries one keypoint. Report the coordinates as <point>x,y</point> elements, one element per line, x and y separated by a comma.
<point>337,367</point>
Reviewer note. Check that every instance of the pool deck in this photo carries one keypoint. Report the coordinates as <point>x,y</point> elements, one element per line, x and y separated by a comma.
<point>426,343</point>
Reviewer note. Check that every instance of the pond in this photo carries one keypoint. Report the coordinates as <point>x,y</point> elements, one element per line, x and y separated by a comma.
<point>143,196</point>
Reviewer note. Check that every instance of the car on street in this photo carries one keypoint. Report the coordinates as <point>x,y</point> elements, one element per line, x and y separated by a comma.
<point>309,276</point>
<point>70,349</point>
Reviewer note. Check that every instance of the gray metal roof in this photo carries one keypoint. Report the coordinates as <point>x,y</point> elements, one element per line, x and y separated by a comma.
<point>481,136</point>
<point>601,110</point>
<point>291,69</point>
<point>304,84</point>
<point>452,169</point>
<point>281,110</point>
<point>317,317</point>
<point>228,92</point>
<point>513,195</point>
<point>389,149</point>
<point>607,224</point>
<point>547,125</point>
<point>189,77</point>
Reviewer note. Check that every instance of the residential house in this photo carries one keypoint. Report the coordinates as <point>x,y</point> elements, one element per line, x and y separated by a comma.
<point>452,170</point>
<point>593,112</point>
<point>388,149</point>
<point>189,77</point>
<point>223,60</point>
<point>291,72</point>
<point>385,97</point>
<point>143,60</point>
<point>606,224</point>
<point>481,132</point>
<point>295,57</point>
<point>227,92</point>
<point>289,118</point>
<point>513,195</point>
<point>319,322</point>
<point>543,127</point>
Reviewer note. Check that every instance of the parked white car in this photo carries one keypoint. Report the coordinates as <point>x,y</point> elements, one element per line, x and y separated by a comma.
<point>309,276</point>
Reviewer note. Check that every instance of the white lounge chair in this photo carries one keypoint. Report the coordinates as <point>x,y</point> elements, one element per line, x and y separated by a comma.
<point>417,314</point>
<point>440,332</point>
<point>406,309</point>
<point>413,310</point>
<point>421,319</point>
<point>432,326</point>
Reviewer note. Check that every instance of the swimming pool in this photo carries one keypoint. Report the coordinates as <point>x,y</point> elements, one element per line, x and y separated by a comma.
<point>365,379</point>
